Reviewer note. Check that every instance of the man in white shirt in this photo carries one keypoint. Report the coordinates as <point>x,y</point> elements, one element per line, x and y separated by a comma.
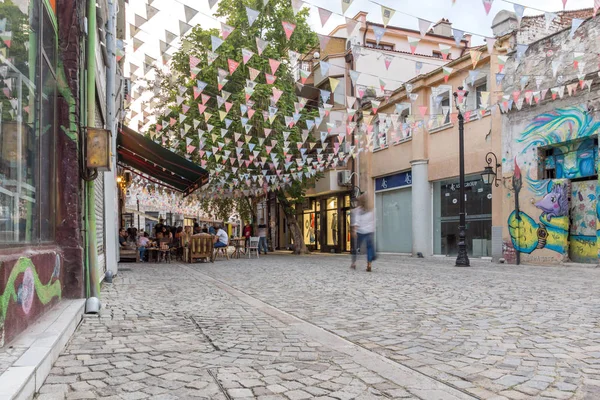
<point>221,238</point>
<point>363,227</point>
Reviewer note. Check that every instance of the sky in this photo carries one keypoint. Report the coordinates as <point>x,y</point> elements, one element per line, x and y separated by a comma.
<point>466,15</point>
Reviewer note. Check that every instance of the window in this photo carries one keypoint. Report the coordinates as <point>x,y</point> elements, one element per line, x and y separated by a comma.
<point>440,106</point>
<point>474,98</point>
<point>381,127</point>
<point>381,46</point>
<point>437,54</point>
<point>404,124</point>
<point>570,160</point>
<point>446,216</point>
<point>27,125</point>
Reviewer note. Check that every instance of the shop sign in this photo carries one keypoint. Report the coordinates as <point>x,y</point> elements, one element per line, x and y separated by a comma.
<point>393,181</point>
<point>455,186</point>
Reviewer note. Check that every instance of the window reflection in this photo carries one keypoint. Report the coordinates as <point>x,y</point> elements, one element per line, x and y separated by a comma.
<point>26,147</point>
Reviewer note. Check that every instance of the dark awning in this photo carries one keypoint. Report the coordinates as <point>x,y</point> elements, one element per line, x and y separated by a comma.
<point>141,155</point>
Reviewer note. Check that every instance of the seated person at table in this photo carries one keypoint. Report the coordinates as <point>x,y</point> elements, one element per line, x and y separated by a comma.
<point>122,237</point>
<point>221,239</point>
<point>143,243</point>
<point>212,230</point>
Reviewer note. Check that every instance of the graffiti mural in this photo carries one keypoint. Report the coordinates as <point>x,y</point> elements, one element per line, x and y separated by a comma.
<point>555,219</point>
<point>21,289</point>
<point>551,230</point>
<point>584,220</point>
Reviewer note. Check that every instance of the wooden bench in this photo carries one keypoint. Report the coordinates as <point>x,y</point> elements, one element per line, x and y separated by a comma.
<point>200,246</point>
<point>128,254</point>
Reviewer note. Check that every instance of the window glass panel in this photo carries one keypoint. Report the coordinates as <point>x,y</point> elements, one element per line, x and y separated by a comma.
<point>332,203</point>
<point>332,227</point>
<point>18,138</point>
<point>479,216</point>
<point>49,39</point>
<point>47,133</point>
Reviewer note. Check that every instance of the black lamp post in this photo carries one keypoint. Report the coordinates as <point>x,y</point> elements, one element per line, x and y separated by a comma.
<point>462,260</point>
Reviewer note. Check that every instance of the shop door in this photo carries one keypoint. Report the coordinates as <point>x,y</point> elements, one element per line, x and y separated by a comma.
<point>583,219</point>
<point>330,226</point>
<point>394,221</point>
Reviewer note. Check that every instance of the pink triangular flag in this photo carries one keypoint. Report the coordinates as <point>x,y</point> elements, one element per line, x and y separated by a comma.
<point>487,4</point>
<point>288,27</point>
<point>423,111</point>
<point>274,65</point>
<point>232,65</point>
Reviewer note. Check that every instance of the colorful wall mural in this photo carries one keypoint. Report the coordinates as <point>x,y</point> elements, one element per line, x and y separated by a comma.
<point>28,290</point>
<point>554,220</point>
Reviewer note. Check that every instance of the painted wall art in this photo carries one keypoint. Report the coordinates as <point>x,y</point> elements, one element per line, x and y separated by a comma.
<point>553,213</point>
<point>27,290</point>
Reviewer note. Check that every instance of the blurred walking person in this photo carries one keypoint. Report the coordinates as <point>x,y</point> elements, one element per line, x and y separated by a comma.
<point>363,227</point>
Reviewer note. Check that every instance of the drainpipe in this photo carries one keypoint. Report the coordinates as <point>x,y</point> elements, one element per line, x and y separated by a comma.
<point>92,306</point>
<point>110,178</point>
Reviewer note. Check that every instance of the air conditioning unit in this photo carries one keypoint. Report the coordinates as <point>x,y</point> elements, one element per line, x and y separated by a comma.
<point>343,178</point>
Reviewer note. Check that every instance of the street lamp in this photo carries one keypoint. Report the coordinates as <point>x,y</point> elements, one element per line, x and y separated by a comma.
<point>489,175</point>
<point>462,260</point>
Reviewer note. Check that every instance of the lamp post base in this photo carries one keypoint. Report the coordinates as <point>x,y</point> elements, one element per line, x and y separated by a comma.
<point>462,260</point>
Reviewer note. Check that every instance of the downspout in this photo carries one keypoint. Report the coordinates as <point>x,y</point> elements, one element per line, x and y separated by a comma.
<point>111,33</point>
<point>93,287</point>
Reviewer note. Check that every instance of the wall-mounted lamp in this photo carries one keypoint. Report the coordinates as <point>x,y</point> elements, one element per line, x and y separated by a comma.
<point>489,174</point>
<point>98,149</point>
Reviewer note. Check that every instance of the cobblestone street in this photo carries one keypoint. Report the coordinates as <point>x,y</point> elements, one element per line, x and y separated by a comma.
<point>285,327</point>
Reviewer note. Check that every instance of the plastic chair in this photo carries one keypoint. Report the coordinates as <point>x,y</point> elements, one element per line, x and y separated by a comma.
<point>253,246</point>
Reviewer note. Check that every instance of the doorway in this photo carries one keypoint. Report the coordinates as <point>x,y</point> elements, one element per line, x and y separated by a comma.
<point>583,222</point>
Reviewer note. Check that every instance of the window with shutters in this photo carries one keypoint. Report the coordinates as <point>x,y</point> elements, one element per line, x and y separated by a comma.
<point>405,122</point>
<point>440,106</point>
<point>381,126</point>
<point>474,99</point>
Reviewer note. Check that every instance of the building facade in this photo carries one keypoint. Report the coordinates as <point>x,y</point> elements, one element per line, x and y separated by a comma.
<point>409,164</point>
<point>49,210</point>
<point>363,60</point>
<point>550,147</point>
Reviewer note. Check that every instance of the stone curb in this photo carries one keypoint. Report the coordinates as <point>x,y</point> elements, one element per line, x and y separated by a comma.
<point>44,341</point>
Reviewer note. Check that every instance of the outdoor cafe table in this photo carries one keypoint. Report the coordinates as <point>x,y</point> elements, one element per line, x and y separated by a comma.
<point>240,245</point>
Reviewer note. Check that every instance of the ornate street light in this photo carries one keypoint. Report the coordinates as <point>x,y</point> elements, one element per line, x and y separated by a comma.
<point>460,98</point>
<point>489,175</point>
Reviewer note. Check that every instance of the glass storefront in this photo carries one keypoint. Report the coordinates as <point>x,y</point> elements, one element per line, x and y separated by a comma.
<point>28,48</point>
<point>478,206</point>
<point>332,221</point>
<point>311,225</point>
<point>327,230</point>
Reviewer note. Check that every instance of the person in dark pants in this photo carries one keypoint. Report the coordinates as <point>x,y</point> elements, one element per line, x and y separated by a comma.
<point>363,227</point>
<point>262,238</point>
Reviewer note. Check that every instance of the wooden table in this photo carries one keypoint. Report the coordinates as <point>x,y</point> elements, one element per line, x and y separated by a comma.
<point>240,247</point>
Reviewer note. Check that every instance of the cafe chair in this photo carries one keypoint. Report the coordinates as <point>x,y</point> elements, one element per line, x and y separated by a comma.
<point>253,246</point>
<point>200,247</point>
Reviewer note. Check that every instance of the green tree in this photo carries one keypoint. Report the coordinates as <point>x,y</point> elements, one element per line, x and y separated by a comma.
<point>267,162</point>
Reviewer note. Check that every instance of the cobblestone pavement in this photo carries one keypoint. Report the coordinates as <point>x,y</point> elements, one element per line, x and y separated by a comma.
<point>168,331</point>
<point>412,329</point>
<point>492,330</point>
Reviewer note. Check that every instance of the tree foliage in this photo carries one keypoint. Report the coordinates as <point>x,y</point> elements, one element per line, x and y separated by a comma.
<point>260,167</point>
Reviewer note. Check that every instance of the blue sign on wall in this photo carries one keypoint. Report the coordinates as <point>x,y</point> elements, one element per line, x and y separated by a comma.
<point>393,181</point>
